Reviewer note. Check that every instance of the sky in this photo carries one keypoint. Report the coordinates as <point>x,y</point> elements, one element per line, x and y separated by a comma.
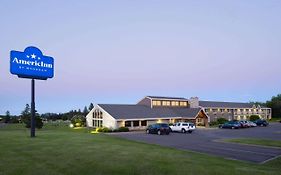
<point>120,51</point>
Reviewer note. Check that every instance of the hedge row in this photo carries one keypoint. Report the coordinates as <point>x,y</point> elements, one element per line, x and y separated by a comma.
<point>105,129</point>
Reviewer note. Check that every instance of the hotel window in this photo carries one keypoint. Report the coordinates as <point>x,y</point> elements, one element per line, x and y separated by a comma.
<point>175,103</point>
<point>136,123</point>
<point>144,123</point>
<point>183,103</point>
<point>166,103</point>
<point>221,110</point>
<point>127,123</point>
<point>156,103</point>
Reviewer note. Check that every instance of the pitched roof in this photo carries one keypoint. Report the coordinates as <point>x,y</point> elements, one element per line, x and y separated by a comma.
<point>140,111</point>
<point>170,98</point>
<point>216,104</point>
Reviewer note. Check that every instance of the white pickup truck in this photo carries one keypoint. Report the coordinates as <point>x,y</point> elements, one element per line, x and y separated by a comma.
<point>183,127</point>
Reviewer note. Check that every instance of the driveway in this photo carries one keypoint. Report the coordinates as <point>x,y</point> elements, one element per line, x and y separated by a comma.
<point>208,141</point>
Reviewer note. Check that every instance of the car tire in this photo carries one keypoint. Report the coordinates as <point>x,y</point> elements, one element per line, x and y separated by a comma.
<point>232,127</point>
<point>190,131</point>
<point>159,132</point>
<point>183,130</point>
<point>147,132</point>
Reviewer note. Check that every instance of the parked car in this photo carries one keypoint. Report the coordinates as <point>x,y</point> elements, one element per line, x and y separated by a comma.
<point>158,128</point>
<point>244,124</point>
<point>183,127</point>
<point>231,125</point>
<point>252,124</point>
<point>261,122</point>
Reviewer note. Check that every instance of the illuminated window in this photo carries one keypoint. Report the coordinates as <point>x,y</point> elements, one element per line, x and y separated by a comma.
<point>156,103</point>
<point>175,103</point>
<point>183,103</point>
<point>166,103</point>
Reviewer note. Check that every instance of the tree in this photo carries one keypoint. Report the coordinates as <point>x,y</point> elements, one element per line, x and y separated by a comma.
<point>7,118</point>
<point>275,105</point>
<point>85,111</point>
<point>26,111</point>
<point>26,118</point>
<point>91,106</point>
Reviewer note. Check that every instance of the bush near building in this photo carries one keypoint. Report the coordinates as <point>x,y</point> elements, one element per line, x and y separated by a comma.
<point>218,121</point>
<point>105,129</point>
<point>78,121</point>
<point>254,117</point>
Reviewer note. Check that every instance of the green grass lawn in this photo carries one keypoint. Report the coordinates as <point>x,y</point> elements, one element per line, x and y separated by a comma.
<point>60,150</point>
<point>263,142</point>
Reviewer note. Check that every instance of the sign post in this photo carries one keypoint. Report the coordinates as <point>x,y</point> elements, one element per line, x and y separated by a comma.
<point>31,64</point>
<point>32,126</point>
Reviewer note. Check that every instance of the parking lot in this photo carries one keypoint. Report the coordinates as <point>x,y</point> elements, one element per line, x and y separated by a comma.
<point>208,140</point>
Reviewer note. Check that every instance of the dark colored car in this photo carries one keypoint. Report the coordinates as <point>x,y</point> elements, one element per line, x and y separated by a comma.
<point>231,125</point>
<point>158,128</point>
<point>261,122</point>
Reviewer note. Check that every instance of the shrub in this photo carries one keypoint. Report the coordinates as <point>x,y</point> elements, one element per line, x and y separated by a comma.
<point>123,129</point>
<point>105,129</point>
<point>221,120</point>
<point>78,120</point>
<point>254,117</point>
<point>213,123</point>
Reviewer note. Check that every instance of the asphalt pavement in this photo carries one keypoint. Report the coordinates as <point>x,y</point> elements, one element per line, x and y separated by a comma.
<point>210,141</point>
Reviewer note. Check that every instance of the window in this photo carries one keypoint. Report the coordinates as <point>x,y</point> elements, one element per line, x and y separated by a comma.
<point>136,123</point>
<point>221,110</point>
<point>175,103</point>
<point>144,123</point>
<point>127,123</point>
<point>183,103</point>
<point>156,103</point>
<point>166,103</point>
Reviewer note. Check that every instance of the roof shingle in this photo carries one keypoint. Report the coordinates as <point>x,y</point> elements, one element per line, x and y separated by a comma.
<point>140,111</point>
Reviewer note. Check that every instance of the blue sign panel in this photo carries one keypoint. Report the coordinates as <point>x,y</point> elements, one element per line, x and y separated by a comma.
<point>31,64</point>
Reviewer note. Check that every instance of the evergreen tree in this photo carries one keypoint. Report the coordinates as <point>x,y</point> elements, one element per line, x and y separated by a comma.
<point>85,111</point>
<point>91,106</point>
<point>7,117</point>
<point>26,118</point>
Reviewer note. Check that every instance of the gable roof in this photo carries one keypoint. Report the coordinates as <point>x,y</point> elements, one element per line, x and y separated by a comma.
<point>141,111</point>
<point>216,104</point>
